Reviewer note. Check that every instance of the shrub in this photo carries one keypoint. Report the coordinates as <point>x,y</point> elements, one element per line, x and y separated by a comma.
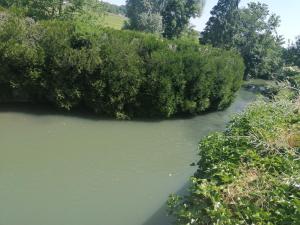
<point>291,74</point>
<point>248,174</point>
<point>20,57</point>
<point>122,74</point>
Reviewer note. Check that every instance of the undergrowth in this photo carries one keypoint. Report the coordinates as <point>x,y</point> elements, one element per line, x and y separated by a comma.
<point>250,173</point>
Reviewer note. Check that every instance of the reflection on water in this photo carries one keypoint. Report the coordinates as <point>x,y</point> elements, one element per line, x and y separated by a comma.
<point>58,169</point>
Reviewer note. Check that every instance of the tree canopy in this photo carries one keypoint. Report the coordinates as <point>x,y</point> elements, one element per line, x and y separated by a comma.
<point>52,9</point>
<point>222,26</point>
<point>258,41</point>
<point>252,31</point>
<point>167,17</point>
<point>177,13</point>
<point>144,15</point>
<point>292,53</point>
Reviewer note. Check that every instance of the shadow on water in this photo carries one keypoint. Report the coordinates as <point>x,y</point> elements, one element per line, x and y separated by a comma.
<point>49,110</point>
<point>82,113</point>
<point>160,216</point>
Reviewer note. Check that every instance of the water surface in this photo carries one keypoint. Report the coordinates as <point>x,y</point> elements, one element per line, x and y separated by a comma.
<point>60,169</point>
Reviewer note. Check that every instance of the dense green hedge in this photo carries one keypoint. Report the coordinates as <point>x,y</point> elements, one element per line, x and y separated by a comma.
<point>248,174</point>
<point>117,73</point>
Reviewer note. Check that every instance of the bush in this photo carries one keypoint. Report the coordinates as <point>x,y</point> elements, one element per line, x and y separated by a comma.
<point>20,57</point>
<point>122,74</point>
<point>248,174</point>
<point>292,75</point>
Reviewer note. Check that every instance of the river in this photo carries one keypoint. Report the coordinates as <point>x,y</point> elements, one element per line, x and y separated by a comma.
<point>69,169</point>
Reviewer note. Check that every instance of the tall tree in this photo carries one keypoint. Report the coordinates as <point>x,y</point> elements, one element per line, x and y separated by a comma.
<point>252,31</point>
<point>144,15</point>
<point>177,14</point>
<point>221,27</point>
<point>258,41</point>
<point>170,17</point>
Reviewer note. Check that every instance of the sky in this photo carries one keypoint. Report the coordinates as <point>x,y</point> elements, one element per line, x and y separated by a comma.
<point>288,10</point>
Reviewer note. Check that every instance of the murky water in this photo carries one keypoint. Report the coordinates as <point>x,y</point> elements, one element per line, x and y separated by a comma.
<point>74,170</point>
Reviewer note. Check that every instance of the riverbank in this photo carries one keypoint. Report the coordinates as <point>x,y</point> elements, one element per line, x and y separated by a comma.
<point>248,174</point>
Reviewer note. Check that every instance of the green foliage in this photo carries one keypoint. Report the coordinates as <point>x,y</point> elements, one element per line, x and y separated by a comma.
<point>49,9</point>
<point>292,76</point>
<point>122,74</point>
<point>90,16</point>
<point>292,54</point>
<point>250,30</point>
<point>222,26</point>
<point>177,13</point>
<point>20,57</point>
<point>114,88</point>
<point>190,34</point>
<point>144,15</point>
<point>259,43</point>
<point>56,9</point>
<point>150,22</point>
<point>248,174</point>
<point>114,21</point>
<point>170,17</point>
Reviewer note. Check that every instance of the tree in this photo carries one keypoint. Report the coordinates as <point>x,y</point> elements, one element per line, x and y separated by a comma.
<point>150,22</point>
<point>177,14</point>
<point>221,27</point>
<point>252,31</point>
<point>144,15</point>
<point>292,53</point>
<point>170,17</point>
<point>41,9</point>
<point>258,41</point>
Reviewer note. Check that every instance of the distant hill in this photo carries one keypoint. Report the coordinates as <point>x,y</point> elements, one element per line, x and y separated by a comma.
<point>115,9</point>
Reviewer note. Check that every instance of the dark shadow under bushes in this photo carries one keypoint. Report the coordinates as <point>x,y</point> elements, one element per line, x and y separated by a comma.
<point>120,74</point>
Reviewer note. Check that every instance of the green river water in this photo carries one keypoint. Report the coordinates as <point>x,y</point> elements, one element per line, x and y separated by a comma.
<point>58,169</point>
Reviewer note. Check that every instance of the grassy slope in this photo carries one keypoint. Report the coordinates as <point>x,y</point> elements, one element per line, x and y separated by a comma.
<point>115,21</point>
